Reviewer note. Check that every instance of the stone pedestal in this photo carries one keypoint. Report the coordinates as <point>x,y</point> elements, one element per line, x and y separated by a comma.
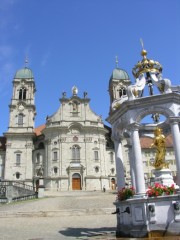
<point>41,188</point>
<point>164,177</point>
<point>148,217</point>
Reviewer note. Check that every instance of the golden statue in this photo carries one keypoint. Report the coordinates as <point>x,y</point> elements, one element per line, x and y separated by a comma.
<point>160,144</point>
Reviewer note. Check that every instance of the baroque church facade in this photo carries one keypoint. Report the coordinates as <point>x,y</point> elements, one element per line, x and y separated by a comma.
<point>73,150</point>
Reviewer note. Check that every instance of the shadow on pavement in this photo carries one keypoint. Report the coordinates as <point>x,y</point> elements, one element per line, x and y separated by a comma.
<point>88,232</point>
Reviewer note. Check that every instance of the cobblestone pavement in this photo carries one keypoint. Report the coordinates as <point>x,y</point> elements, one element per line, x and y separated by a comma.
<point>81,215</point>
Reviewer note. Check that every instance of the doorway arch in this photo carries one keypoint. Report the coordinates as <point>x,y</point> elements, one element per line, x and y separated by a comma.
<point>113,183</point>
<point>76,181</point>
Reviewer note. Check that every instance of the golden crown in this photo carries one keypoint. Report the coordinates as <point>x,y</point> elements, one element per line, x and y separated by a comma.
<point>146,65</point>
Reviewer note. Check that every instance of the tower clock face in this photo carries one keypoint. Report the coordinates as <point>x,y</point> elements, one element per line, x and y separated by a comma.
<point>21,107</point>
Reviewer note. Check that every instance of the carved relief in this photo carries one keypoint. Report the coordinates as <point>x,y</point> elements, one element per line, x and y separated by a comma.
<point>88,139</point>
<point>62,139</point>
<point>74,131</point>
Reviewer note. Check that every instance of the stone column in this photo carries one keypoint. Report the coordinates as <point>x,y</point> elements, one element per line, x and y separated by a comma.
<point>132,167</point>
<point>138,165</point>
<point>176,142</point>
<point>119,164</point>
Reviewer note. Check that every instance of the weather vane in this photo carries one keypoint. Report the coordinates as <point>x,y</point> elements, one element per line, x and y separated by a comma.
<point>26,62</point>
<point>117,62</point>
<point>142,44</point>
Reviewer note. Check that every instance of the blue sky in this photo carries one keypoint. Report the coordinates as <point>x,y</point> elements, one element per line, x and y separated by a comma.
<point>74,42</point>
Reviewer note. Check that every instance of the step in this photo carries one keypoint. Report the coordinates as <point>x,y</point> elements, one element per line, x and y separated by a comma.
<point>58,213</point>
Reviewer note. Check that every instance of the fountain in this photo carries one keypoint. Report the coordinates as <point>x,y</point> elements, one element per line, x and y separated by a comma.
<point>146,215</point>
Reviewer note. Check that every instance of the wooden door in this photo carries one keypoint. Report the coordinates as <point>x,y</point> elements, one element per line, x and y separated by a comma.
<point>76,182</point>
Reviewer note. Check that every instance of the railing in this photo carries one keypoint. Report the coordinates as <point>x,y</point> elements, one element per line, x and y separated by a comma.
<point>3,200</point>
<point>23,185</point>
<point>17,184</point>
<point>20,191</point>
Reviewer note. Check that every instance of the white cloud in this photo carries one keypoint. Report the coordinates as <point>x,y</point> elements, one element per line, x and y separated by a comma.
<point>6,68</point>
<point>45,59</point>
<point>5,4</point>
<point>5,52</point>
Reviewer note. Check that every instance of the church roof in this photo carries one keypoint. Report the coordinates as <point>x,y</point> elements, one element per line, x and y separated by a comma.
<point>38,130</point>
<point>146,141</point>
<point>119,74</point>
<point>24,73</point>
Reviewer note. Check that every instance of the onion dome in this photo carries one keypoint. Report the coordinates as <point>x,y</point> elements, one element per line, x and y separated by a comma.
<point>146,65</point>
<point>24,73</point>
<point>119,74</point>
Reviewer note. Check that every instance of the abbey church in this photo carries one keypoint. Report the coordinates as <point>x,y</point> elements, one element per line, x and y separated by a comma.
<point>73,149</point>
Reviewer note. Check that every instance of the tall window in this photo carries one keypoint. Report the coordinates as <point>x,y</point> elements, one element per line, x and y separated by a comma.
<point>18,159</point>
<point>55,156</point>
<point>20,120</point>
<point>76,152</point>
<point>122,91</point>
<point>111,157</point>
<point>38,158</point>
<point>96,155</point>
<point>22,93</point>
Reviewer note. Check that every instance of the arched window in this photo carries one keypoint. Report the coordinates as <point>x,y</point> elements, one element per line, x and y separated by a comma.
<point>76,152</point>
<point>111,157</point>
<point>18,175</point>
<point>22,93</point>
<point>122,92</point>
<point>96,169</point>
<point>55,170</point>
<point>112,171</point>
<point>20,120</point>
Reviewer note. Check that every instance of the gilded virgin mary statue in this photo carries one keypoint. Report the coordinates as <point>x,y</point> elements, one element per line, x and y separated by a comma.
<point>159,143</point>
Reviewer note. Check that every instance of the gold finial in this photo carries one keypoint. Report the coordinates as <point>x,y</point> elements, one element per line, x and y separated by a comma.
<point>143,52</point>
<point>146,65</point>
<point>117,62</point>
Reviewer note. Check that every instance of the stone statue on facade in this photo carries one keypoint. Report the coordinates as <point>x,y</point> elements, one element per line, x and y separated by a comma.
<point>40,172</point>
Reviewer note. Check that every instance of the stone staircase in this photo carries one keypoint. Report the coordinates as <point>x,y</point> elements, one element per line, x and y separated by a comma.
<point>11,191</point>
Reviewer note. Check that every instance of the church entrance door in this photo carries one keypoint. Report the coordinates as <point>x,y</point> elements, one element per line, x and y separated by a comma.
<point>76,181</point>
<point>113,184</point>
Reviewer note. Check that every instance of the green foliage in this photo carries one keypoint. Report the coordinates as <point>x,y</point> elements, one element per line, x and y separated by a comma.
<point>125,193</point>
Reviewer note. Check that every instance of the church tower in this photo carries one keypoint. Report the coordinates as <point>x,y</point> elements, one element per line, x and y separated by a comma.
<point>19,137</point>
<point>118,83</point>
